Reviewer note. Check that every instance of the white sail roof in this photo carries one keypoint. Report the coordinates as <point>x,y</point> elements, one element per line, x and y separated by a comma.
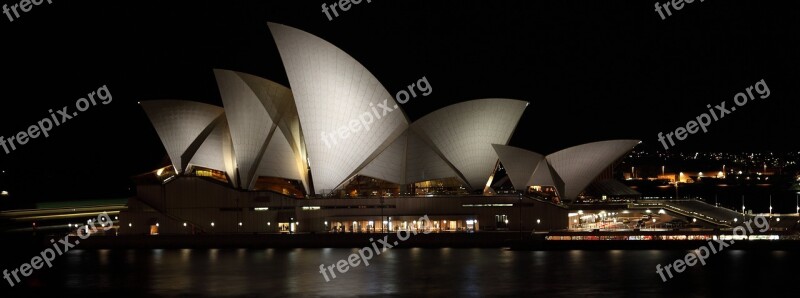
<point>334,92</point>
<point>464,133</point>
<point>180,125</point>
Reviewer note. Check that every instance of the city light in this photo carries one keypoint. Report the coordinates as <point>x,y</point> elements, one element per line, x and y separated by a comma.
<point>770,200</point>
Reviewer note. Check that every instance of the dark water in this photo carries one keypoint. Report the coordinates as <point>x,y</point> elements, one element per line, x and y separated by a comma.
<point>407,272</point>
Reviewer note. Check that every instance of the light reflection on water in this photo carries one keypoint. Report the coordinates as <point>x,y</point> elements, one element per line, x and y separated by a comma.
<point>403,272</point>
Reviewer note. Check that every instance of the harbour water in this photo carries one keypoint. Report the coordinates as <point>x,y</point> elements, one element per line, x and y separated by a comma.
<point>402,272</point>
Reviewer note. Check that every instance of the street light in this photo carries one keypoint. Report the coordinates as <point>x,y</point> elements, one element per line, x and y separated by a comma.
<point>520,215</point>
<point>743,205</point>
<point>770,202</point>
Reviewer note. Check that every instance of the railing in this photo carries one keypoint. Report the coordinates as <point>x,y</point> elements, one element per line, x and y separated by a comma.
<point>678,210</point>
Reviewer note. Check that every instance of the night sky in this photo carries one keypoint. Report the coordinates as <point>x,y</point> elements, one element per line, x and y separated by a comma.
<point>592,70</point>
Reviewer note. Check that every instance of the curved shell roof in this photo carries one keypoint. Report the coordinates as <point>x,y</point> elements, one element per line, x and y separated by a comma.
<point>464,133</point>
<point>333,92</point>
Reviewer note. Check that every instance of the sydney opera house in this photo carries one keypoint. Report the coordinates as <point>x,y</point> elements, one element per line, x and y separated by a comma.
<point>261,163</point>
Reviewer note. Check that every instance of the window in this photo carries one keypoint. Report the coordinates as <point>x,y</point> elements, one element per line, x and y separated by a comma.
<point>501,221</point>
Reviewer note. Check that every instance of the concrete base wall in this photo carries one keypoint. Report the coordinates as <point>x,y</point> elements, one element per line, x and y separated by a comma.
<point>198,203</point>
